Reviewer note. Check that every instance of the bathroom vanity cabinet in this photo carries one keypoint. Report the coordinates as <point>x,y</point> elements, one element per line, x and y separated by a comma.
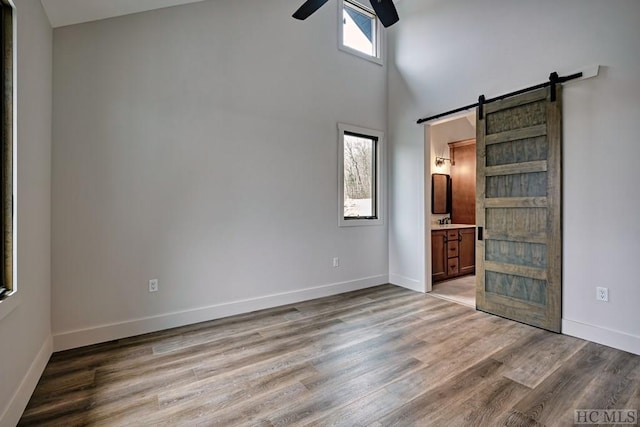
<point>453,252</point>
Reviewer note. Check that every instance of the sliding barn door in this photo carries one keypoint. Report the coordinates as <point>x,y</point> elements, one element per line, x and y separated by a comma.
<point>518,209</point>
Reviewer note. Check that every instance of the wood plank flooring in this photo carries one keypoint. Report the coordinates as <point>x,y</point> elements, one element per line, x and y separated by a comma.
<point>381,356</point>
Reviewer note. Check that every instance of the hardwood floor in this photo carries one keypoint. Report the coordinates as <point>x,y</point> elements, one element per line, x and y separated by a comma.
<point>381,356</point>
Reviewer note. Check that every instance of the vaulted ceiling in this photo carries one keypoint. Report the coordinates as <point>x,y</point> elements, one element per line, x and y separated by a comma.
<point>68,12</point>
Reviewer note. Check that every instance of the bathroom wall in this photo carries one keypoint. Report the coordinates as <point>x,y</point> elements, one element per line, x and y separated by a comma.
<point>440,134</point>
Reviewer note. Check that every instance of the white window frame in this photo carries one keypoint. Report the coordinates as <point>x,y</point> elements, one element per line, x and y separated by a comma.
<point>380,177</point>
<point>378,33</point>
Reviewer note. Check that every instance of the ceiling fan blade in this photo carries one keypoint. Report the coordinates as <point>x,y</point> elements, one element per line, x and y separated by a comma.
<point>386,11</point>
<point>308,8</point>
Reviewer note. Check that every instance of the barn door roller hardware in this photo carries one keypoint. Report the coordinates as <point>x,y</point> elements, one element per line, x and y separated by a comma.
<point>554,80</point>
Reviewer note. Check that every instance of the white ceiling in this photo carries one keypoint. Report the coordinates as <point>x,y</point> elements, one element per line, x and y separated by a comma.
<point>68,12</point>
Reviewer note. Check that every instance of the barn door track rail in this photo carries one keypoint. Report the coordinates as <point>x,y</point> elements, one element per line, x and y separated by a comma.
<point>554,80</point>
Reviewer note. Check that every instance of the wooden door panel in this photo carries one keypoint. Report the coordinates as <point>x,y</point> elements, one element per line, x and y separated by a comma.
<point>522,288</point>
<point>467,251</point>
<point>509,221</point>
<point>518,118</point>
<point>438,255</point>
<point>518,204</point>
<point>515,309</point>
<point>463,181</point>
<point>517,185</point>
<point>517,151</point>
<point>516,253</point>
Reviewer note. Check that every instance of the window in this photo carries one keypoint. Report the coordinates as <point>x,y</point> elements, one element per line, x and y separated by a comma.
<point>359,31</point>
<point>359,171</point>
<point>6,150</point>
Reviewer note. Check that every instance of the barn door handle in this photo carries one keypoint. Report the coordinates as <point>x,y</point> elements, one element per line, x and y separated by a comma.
<point>479,233</point>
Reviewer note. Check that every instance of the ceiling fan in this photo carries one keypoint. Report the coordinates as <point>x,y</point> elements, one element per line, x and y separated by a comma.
<point>385,10</point>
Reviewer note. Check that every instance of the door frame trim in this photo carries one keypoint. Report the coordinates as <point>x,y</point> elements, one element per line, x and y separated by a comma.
<point>428,170</point>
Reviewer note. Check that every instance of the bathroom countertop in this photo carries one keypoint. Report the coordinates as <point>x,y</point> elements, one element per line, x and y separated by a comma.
<point>451,226</point>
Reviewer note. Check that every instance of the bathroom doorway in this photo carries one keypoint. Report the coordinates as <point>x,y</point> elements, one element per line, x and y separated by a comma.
<point>451,235</point>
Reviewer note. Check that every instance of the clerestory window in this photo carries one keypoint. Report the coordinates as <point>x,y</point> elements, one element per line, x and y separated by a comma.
<point>360,31</point>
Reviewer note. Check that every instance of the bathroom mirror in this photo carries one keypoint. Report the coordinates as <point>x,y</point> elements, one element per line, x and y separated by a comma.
<point>440,193</point>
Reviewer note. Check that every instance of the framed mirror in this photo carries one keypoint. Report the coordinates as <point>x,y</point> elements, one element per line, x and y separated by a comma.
<point>440,193</point>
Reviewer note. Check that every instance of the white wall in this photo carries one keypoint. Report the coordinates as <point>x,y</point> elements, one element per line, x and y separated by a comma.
<point>407,191</point>
<point>198,145</point>
<point>447,53</point>
<point>25,333</point>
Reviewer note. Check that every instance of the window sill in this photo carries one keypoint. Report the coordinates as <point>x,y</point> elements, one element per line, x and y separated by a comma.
<point>362,55</point>
<point>8,304</point>
<point>359,222</point>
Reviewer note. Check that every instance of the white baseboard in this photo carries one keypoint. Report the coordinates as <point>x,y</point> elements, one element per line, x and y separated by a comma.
<point>113,331</point>
<point>608,337</point>
<point>406,282</point>
<point>18,403</point>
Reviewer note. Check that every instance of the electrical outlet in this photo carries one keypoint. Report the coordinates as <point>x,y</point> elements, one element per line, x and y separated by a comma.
<point>153,285</point>
<point>602,294</point>
<point>336,262</point>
